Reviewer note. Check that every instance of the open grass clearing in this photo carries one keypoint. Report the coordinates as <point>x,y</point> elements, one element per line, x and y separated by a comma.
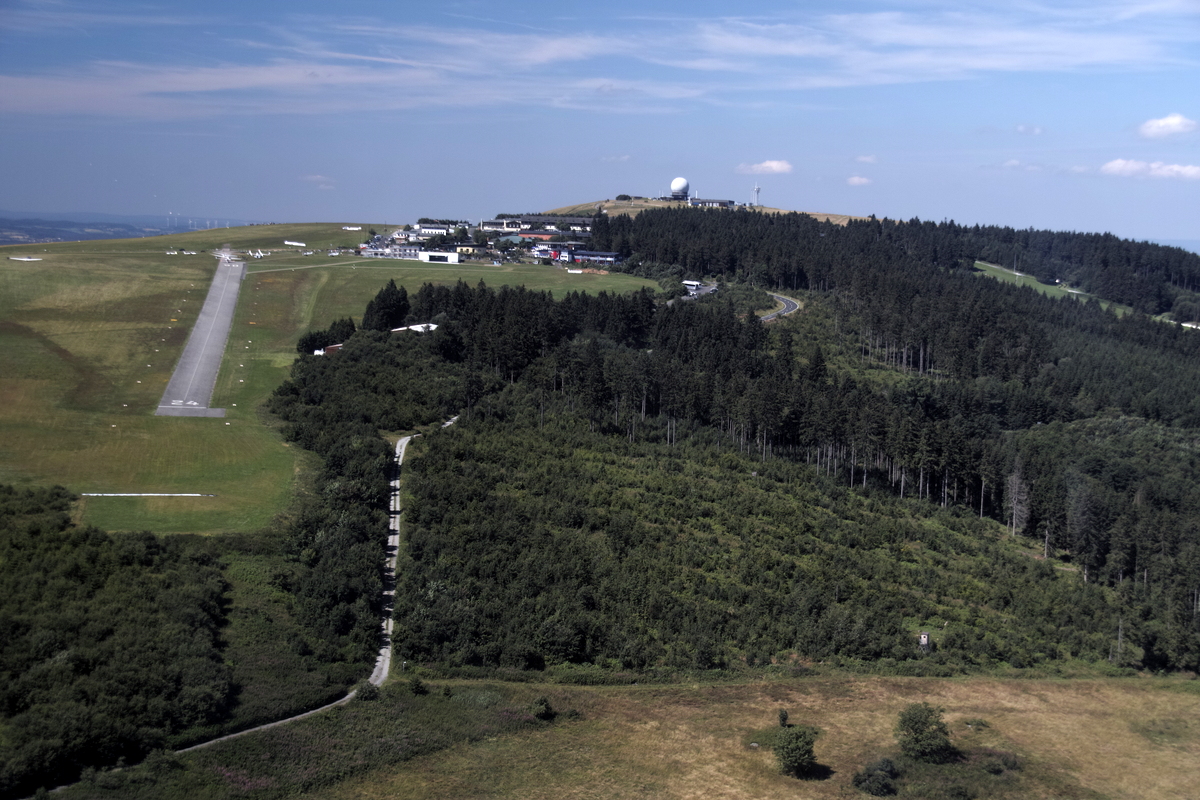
<point>1087,738</point>
<point>90,335</point>
<point>1016,278</point>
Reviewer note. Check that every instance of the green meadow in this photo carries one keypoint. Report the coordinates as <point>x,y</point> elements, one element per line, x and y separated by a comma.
<point>1050,290</point>
<point>90,334</point>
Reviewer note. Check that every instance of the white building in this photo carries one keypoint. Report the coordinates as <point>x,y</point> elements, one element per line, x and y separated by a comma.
<point>435,257</point>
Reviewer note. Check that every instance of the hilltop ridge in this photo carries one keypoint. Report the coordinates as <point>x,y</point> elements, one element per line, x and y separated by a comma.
<point>636,205</point>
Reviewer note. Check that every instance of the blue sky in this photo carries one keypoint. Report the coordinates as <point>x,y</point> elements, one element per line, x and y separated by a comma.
<point>1062,115</point>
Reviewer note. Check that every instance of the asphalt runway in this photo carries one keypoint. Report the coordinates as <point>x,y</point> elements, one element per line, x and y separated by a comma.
<point>191,386</point>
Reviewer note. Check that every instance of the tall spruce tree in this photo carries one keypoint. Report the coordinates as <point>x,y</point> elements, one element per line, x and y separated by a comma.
<point>388,310</point>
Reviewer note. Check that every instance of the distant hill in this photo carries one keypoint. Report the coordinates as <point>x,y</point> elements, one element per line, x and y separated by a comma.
<point>137,220</point>
<point>96,237</point>
<point>636,205</point>
<point>23,227</point>
<point>36,231</point>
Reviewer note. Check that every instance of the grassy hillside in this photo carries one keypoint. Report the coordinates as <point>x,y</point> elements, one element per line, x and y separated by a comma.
<point>90,336</point>
<point>696,740</point>
<point>639,204</point>
<point>1007,275</point>
<point>692,741</point>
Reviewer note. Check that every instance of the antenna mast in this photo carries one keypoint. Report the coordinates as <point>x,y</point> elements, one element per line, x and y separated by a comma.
<point>757,189</point>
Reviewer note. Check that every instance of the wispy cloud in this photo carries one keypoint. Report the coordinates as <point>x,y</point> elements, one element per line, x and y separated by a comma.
<point>54,16</point>
<point>332,64</point>
<point>865,159</point>
<point>321,181</point>
<point>1014,163</point>
<point>615,159</point>
<point>857,180</point>
<point>1131,168</point>
<point>1170,125</point>
<point>1029,130</point>
<point>765,168</point>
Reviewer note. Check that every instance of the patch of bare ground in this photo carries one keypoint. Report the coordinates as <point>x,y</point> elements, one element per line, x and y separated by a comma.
<point>1126,738</point>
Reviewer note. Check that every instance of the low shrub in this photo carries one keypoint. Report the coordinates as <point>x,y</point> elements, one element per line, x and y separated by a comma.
<point>878,779</point>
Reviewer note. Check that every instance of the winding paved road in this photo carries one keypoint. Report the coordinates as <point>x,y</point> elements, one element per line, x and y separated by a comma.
<point>789,305</point>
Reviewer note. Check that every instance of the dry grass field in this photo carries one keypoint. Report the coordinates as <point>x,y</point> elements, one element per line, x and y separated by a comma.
<point>1105,738</point>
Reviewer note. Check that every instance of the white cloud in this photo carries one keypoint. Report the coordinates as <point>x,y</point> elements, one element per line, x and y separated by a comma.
<point>1169,125</point>
<point>1030,130</point>
<point>765,168</point>
<point>857,180</point>
<point>614,159</point>
<point>865,159</point>
<point>310,64</point>
<point>1130,168</point>
<point>321,181</point>
<point>1013,163</point>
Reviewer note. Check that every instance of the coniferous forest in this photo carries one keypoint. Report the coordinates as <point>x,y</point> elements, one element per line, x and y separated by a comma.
<point>636,484</point>
<point>645,485</point>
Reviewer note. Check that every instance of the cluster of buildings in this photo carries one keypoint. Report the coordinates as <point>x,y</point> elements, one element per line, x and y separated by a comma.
<point>533,232</point>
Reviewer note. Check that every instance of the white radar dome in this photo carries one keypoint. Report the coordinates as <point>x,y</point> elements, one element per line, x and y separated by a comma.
<point>679,186</point>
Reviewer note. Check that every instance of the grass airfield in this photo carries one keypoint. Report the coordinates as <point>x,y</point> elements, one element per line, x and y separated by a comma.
<point>90,334</point>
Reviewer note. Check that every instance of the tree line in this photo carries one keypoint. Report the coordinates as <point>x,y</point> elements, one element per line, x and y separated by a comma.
<point>1012,440</point>
<point>794,251</point>
<point>109,645</point>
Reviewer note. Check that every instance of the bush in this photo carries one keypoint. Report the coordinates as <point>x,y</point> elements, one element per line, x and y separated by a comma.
<point>794,749</point>
<point>367,693</point>
<point>923,735</point>
<point>542,709</point>
<point>878,779</point>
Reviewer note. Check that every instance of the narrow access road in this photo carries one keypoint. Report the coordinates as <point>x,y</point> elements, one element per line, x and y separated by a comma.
<point>789,305</point>
<point>383,661</point>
